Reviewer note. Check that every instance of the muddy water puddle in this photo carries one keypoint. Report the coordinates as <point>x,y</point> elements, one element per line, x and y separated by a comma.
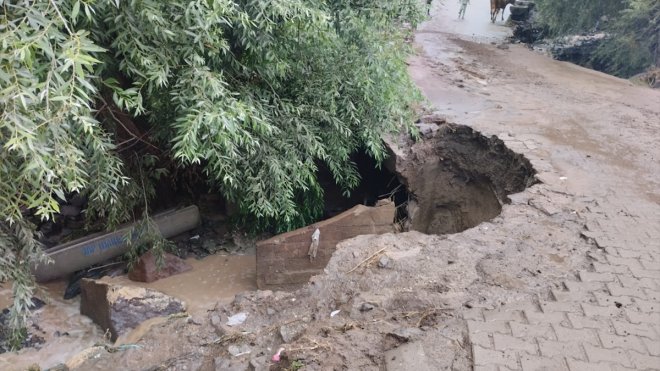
<point>216,278</point>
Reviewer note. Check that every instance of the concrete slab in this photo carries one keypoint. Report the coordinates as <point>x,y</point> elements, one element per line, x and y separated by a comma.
<point>283,261</point>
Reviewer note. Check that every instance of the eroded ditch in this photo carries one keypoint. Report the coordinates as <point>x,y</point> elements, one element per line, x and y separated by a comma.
<point>452,180</point>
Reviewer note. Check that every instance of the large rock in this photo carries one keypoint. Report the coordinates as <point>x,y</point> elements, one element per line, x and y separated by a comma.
<point>119,309</point>
<point>284,262</point>
<point>146,269</point>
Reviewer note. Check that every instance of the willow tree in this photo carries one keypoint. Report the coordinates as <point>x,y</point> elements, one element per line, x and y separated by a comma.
<point>632,28</point>
<point>256,93</point>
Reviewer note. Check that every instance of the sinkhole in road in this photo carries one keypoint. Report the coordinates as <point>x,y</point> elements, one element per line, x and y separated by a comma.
<point>451,179</point>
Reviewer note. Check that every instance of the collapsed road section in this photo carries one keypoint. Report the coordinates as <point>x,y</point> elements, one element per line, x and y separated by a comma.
<point>455,179</point>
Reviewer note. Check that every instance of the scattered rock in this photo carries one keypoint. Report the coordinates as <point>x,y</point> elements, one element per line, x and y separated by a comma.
<point>263,294</point>
<point>427,130</point>
<point>121,308</point>
<point>365,307</point>
<point>409,356</point>
<point>384,261</point>
<point>222,364</point>
<point>147,270</point>
<point>216,322</point>
<point>405,334</point>
<point>260,363</point>
<point>291,331</point>
<point>60,367</point>
<point>239,350</point>
<point>237,319</point>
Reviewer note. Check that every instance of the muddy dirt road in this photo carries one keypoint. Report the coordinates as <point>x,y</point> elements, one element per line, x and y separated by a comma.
<point>566,277</point>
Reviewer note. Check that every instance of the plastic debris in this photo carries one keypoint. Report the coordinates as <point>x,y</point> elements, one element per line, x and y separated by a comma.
<point>335,312</point>
<point>237,319</point>
<point>314,246</point>
<point>195,237</point>
<point>276,356</point>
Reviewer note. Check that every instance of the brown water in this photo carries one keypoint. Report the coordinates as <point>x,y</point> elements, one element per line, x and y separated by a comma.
<point>216,278</point>
<point>58,315</point>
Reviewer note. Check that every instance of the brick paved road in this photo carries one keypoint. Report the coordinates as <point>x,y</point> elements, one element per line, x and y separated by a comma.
<point>594,140</point>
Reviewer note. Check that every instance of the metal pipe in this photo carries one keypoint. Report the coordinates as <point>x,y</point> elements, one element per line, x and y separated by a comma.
<point>98,247</point>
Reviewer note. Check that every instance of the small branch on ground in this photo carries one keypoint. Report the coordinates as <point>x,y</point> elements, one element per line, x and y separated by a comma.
<point>367,259</point>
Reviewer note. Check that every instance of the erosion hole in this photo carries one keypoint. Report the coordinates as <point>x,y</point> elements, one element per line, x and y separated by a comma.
<point>457,177</point>
<point>452,180</point>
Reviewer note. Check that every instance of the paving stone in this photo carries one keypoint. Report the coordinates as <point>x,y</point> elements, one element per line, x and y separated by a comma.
<point>556,306</point>
<point>632,263</point>
<point>579,321</point>
<point>571,296</point>
<point>606,300</point>
<point>641,317</point>
<point>473,314</point>
<point>596,277</point>
<point>532,331</point>
<point>576,335</point>
<point>584,286</point>
<point>598,354</point>
<point>608,268</point>
<point>625,253</point>
<point>646,273</point>
<point>486,368</point>
<point>653,346</point>
<point>483,339</point>
<point>643,361</point>
<point>535,363</point>
<point>561,349</point>
<point>483,357</point>
<point>597,310</point>
<point>488,327</point>
<point>617,290</point>
<point>506,342</point>
<point>632,282</point>
<point>503,315</point>
<point>521,305</point>
<point>539,317</point>
<point>575,365</point>
<point>652,295</point>
<point>648,264</point>
<point>648,306</point>
<point>625,328</point>
<point>625,342</point>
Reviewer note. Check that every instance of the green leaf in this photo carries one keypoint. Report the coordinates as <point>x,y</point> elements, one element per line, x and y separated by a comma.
<point>75,11</point>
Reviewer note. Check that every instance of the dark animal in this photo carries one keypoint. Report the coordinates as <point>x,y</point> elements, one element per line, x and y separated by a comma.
<point>496,6</point>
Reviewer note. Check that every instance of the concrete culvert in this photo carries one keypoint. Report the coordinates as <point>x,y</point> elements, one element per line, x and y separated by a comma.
<point>456,177</point>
